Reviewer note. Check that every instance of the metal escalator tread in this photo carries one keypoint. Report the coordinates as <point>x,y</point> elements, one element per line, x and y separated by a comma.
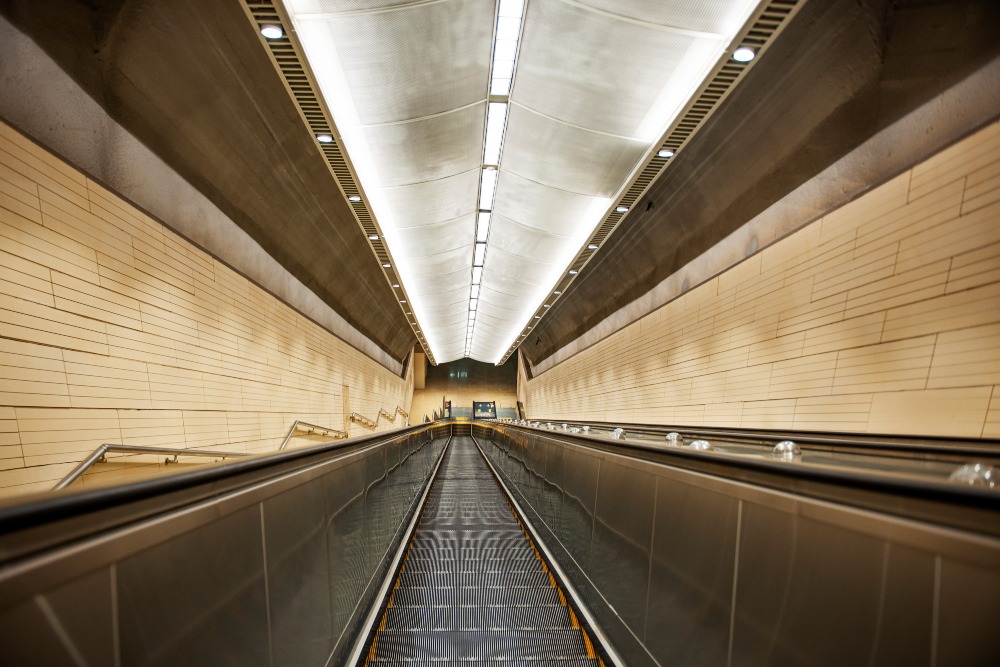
<point>473,589</point>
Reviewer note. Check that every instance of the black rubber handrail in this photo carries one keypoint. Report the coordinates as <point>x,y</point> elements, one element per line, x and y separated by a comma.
<point>938,501</point>
<point>28,511</point>
<point>949,448</point>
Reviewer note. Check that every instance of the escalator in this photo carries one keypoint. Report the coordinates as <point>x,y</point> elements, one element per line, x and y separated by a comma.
<point>473,585</point>
<point>493,543</point>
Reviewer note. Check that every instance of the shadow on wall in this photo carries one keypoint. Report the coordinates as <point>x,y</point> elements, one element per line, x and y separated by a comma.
<point>464,381</point>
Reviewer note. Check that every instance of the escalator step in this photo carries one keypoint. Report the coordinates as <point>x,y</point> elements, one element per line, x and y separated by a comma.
<point>472,589</point>
<point>541,662</point>
<point>475,595</point>
<point>522,561</point>
<point>480,540</point>
<point>477,618</point>
<point>505,645</point>
<point>483,578</point>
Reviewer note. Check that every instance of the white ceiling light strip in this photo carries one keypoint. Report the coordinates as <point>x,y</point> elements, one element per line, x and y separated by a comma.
<point>589,109</point>
<point>410,115</point>
<point>460,165</point>
<point>506,35</point>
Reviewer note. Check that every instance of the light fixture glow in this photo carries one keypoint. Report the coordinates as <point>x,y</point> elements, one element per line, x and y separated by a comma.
<point>483,226</point>
<point>505,48</point>
<point>354,198</point>
<point>496,117</point>
<point>402,300</point>
<point>373,237</point>
<point>508,28</point>
<point>592,246</point>
<point>324,138</point>
<point>272,31</point>
<point>665,153</point>
<point>488,189</point>
<point>545,305</point>
<point>621,209</point>
<point>512,8</point>
<point>386,265</point>
<point>557,292</point>
<point>744,54</point>
<point>359,115</point>
<point>395,285</point>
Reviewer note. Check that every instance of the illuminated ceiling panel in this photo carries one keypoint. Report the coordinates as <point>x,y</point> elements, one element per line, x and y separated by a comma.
<point>491,138</point>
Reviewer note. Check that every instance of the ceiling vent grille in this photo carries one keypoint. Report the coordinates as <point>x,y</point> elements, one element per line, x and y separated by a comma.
<point>760,31</point>
<point>286,54</point>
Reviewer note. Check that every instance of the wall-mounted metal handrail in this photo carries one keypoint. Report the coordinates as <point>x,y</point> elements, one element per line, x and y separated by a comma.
<point>312,428</point>
<point>98,455</point>
<point>382,412</point>
<point>361,419</point>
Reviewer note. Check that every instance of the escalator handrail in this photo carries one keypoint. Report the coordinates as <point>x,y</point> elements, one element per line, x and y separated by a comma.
<point>29,511</point>
<point>874,443</point>
<point>717,464</point>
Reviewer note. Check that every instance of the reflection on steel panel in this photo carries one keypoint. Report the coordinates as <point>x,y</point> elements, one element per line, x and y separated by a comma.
<point>278,569</point>
<point>181,599</point>
<point>967,618</point>
<point>691,575</point>
<point>623,531</point>
<point>298,574</point>
<point>814,582</point>
<point>50,629</point>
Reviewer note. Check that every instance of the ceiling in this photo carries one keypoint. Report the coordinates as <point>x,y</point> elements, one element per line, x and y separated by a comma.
<point>194,82</point>
<point>489,158</point>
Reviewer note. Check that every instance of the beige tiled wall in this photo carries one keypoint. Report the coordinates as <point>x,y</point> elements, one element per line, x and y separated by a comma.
<point>115,329</point>
<point>881,317</point>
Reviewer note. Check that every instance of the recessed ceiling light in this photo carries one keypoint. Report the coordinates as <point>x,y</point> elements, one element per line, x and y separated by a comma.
<point>666,152</point>
<point>354,198</point>
<point>592,246</point>
<point>621,209</point>
<point>373,237</point>
<point>324,138</point>
<point>744,54</point>
<point>557,292</point>
<point>573,272</point>
<point>402,300</point>
<point>272,31</point>
<point>538,317</point>
<point>395,285</point>
<point>545,305</point>
<point>386,265</point>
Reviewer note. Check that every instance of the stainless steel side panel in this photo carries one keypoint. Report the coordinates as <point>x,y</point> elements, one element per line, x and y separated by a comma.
<point>272,574</point>
<point>682,568</point>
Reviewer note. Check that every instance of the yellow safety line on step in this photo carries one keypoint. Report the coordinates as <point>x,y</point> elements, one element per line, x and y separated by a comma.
<point>574,620</point>
<point>591,653</point>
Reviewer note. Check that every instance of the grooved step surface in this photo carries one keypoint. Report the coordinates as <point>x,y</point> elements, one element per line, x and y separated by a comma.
<point>472,589</point>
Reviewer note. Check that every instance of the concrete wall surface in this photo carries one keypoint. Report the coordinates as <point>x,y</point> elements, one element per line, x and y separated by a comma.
<point>113,329</point>
<point>882,316</point>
